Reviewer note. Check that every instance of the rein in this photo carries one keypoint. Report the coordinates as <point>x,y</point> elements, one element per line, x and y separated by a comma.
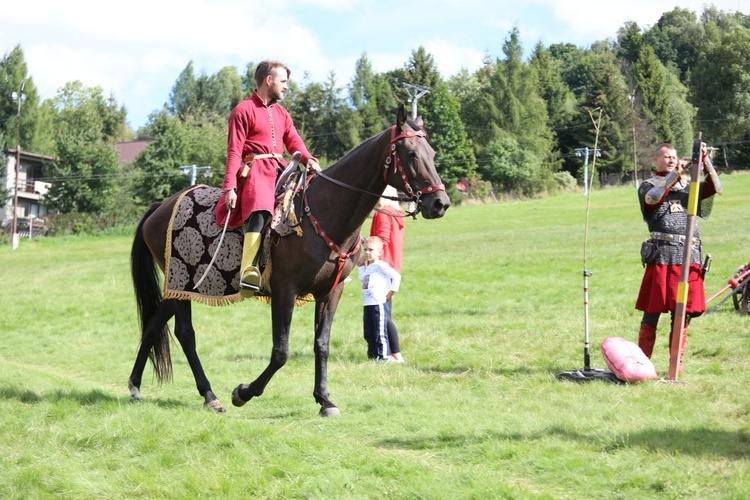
<point>398,168</point>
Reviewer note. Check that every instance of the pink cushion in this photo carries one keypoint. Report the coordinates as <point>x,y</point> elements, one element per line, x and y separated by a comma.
<point>627,361</point>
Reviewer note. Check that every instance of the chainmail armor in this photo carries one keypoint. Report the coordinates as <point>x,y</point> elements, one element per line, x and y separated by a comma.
<point>667,218</point>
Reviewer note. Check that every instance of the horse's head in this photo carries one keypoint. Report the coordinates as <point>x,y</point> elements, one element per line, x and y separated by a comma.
<point>412,167</point>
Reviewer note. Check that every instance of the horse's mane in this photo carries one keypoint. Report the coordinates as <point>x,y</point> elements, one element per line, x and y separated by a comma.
<point>375,137</point>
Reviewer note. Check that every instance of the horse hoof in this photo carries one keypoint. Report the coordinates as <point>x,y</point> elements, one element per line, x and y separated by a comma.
<point>216,406</point>
<point>236,399</point>
<point>331,411</point>
<point>135,394</point>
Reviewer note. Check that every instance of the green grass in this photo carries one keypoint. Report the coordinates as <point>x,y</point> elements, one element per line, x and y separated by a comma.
<point>490,310</point>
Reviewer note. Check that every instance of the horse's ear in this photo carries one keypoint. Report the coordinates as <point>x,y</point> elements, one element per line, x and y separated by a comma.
<point>419,121</point>
<point>401,116</point>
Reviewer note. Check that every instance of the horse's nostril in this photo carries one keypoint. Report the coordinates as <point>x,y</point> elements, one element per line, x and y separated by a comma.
<point>441,205</point>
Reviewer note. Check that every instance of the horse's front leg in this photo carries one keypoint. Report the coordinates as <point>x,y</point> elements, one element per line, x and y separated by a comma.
<point>282,308</point>
<point>324,312</point>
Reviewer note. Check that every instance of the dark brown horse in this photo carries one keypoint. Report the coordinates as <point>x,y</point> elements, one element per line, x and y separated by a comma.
<point>335,205</point>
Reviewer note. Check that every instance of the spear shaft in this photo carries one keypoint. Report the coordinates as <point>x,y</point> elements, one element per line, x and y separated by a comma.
<point>678,325</point>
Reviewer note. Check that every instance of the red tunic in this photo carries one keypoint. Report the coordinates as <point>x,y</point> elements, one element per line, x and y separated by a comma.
<point>388,225</point>
<point>658,293</point>
<point>258,129</point>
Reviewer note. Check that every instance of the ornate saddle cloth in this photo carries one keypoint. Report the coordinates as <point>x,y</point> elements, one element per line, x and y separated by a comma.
<point>192,239</point>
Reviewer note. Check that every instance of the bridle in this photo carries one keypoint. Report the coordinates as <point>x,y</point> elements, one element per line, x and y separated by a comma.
<point>398,167</point>
<point>393,159</point>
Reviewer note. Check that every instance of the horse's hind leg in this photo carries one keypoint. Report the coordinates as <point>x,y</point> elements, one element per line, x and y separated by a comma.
<point>154,328</point>
<point>185,334</point>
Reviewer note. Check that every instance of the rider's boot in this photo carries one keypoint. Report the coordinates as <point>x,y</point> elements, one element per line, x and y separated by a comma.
<point>250,274</point>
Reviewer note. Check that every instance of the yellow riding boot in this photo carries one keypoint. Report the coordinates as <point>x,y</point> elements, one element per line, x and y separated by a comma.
<point>250,274</point>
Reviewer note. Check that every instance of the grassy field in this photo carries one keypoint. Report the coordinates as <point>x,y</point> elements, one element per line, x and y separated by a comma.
<point>490,310</point>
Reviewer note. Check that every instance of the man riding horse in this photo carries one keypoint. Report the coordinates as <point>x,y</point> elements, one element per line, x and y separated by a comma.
<point>259,128</point>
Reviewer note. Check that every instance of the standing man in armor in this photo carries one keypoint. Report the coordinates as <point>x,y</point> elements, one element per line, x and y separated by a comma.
<point>259,128</point>
<point>664,200</point>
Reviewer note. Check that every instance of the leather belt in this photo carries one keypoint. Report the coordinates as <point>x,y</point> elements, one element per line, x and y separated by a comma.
<point>679,238</point>
<point>250,158</point>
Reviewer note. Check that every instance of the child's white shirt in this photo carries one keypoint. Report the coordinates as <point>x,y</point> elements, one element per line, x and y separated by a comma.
<point>377,280</point>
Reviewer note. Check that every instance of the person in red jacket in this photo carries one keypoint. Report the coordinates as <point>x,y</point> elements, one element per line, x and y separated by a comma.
<point>388,225</point>
<point>259,129</point>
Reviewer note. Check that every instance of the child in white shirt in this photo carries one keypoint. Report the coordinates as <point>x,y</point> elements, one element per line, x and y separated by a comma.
<point>379,282</point>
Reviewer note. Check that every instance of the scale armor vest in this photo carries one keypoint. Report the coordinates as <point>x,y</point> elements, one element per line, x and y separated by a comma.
<point>671,217</point>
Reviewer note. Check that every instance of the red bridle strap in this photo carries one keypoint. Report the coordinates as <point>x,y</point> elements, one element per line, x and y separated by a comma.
<point>342,257</point>
<point>398,167</point>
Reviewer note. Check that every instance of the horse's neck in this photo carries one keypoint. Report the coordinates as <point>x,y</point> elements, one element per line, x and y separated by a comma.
<point>344,209</point>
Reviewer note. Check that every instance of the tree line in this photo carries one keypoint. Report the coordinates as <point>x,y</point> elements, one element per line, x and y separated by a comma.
<point>511,126</point>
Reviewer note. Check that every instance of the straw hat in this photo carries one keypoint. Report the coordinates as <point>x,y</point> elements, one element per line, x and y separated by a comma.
<point>391,192</point>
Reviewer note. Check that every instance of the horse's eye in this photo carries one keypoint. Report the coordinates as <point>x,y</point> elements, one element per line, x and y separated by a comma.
<point>412,154</point>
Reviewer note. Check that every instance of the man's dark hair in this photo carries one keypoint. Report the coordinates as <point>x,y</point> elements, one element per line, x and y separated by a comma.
<point>266,67</point>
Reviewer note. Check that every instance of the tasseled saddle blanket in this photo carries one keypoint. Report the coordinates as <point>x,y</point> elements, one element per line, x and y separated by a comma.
<point>192,238</point>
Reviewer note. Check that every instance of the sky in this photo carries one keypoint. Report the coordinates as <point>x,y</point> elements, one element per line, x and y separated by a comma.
<point>135,50</point>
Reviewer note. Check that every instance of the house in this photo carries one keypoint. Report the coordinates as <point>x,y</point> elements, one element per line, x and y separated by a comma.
<point>31,185</point>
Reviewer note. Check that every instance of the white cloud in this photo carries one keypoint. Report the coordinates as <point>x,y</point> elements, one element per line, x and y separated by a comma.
<point>137,50</point>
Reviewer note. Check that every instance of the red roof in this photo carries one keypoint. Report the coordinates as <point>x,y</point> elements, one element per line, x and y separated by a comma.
<point>129,151</point>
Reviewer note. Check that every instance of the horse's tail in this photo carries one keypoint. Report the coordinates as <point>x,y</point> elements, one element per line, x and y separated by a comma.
<point>148,298</point>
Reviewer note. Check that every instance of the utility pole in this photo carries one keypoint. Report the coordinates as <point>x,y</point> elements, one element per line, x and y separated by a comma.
<point>193,171</point>
<point>585,152</point>
<point>415,91</point>
<point>14,226</point>
<point>632,120</point>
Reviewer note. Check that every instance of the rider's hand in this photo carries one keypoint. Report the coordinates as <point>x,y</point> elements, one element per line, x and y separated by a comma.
<point>312,165</point>
<point>231,199</point>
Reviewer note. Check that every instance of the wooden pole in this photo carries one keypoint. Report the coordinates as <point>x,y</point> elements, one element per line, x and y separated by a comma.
<point>678,326</point>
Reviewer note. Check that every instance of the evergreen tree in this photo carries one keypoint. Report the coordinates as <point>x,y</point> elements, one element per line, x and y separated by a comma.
<point>652,82</point>
<point>629,42</point>
<point>454,155</point>
<point>440,112</point>
<point>372,99</point>
<point>156,172</point>
<point>608,92</point>
<point>325,122</point>
<point>561,102</point>
<point>719,88</point>
<point>338,134</point>
<point>13,76</point>
<point>518,111</point>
